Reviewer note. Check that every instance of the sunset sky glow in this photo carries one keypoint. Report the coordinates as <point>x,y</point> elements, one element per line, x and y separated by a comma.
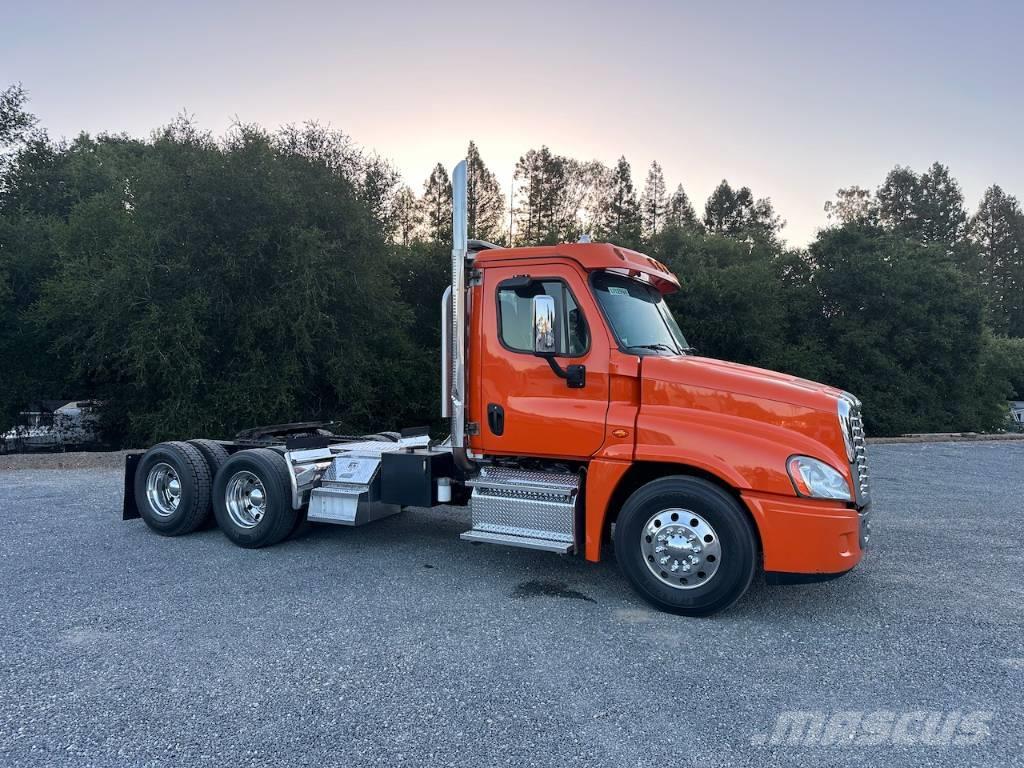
<point>793,99</point>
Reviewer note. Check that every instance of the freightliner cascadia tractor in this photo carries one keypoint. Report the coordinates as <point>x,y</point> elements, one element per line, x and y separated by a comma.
<point>580,418</point>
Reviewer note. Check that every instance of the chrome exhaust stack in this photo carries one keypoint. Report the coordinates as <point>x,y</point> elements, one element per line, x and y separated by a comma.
<point>453,345</point>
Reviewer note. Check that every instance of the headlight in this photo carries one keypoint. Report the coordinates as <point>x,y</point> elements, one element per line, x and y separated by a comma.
<point>816,479</point>
<point>844,407</point>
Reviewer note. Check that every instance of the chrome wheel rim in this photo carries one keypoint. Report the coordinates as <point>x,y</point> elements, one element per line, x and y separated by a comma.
<point>163,489</point>
<point>245,499</point>
<point>680,548</point>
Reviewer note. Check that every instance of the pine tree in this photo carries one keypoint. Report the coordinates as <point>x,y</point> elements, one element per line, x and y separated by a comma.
<point>406,215</point>
<point>550,193</point>
<point>484,200</point>
<point>737,213</point>
<point>654,202</point>
<point>436,205</point>
<point>997,230</point>
<point>899,202</point>
<point>680,213</point>
<point>619,216</point>
<point>940,207</point>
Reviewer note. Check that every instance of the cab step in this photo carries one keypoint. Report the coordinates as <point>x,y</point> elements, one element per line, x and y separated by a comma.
<point>524,508</point>
<point>526,542</point>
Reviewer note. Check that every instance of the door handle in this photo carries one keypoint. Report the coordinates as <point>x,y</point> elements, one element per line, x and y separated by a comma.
<point>496,418</point>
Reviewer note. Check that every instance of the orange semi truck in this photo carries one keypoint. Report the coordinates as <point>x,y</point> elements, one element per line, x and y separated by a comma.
<point>579,417</point>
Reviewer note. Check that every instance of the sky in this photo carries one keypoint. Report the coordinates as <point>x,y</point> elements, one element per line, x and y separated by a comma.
<point>793,99</point>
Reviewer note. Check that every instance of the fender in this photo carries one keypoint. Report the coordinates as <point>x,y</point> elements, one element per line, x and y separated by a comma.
<point>745,454</point>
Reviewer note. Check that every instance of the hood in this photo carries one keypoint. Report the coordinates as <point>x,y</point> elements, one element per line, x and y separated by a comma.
<point>745,380</point>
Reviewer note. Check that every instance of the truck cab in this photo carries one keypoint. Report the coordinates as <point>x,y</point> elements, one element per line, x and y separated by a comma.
<point>581,419</point>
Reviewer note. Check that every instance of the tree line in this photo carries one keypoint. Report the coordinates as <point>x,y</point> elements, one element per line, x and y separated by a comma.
<point>199,284</point>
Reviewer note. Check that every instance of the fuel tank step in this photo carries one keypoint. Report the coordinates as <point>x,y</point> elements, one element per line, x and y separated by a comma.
<point>524,508</point>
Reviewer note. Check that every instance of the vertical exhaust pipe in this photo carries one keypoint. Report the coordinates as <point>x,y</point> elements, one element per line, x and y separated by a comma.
<point>457,347</point>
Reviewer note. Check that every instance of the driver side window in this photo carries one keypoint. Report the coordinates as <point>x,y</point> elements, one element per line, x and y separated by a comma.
<point>515,317</point>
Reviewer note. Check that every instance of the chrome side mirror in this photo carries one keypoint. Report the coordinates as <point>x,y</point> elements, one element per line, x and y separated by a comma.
<point>545,336</point>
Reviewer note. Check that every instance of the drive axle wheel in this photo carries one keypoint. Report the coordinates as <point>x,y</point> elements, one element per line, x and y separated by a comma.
<point>172,488</point>
<point>686,545</point>
<point>215,455</point>
<point>252,498</point>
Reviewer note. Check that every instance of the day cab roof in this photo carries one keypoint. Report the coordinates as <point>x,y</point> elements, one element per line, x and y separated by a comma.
<point>592,257</point>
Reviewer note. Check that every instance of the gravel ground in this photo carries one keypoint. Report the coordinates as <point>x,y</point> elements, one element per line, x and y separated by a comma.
<point>70,460</point>
<point>398,644</point>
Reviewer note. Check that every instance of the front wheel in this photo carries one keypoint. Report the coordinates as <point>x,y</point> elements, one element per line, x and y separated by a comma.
<point>252,498</point>
<point>686,545</point>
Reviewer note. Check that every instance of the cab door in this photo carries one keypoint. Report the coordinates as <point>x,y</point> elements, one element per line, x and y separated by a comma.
<point>523,407</point>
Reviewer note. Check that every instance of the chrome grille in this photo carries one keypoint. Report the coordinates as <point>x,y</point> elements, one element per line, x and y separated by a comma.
<point>860,454</point>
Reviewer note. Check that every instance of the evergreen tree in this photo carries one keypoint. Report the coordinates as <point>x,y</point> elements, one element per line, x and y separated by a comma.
<point>679,212</point>
<point>484,201</point>
<point>940,208</point>
<point>406,215</point>
<point>737,213</point>
<point>551,193</point>
<point>899,202</point>
<point>997,230</point>
<point>654,203</point>
<point>619,215</point>
<point>538,174</point>
<point>436,206</point>
<point>379,189</point>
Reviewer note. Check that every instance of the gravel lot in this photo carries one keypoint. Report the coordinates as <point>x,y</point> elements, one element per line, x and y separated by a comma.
<point>399,644</point>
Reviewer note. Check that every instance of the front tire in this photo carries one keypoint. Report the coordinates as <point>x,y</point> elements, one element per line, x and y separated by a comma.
<point>252,498</point>
<point>172,488</point>
<point>686,545</point>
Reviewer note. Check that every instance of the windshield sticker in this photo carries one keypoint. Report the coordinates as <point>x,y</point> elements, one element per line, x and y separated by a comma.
<point>615,290</point>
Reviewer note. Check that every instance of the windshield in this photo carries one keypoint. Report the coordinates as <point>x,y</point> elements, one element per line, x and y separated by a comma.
<point>638,316</point>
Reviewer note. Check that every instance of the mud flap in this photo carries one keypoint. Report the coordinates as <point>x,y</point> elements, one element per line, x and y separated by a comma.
<point>130,510</point>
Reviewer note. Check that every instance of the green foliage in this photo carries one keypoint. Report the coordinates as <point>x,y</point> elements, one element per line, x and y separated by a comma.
<point>737,213</point>
<point>484,201</point>
<point>15,122</point>
<point>889,319</point>
<point>998,231</point>
<point>436,206</point>
<point>201,285</point>
<point>654,202</point>
<point>902,328</point>
<point>680,213</point>
<point>618,214</point>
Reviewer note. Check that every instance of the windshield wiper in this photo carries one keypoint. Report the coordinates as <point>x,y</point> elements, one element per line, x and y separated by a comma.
<point>658,346</point>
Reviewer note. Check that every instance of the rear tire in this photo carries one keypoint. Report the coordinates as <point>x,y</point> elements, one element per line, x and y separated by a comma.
<point>686,545</point>
<point>215,455</point>
<point>252,498</point>
<point>172,488</point>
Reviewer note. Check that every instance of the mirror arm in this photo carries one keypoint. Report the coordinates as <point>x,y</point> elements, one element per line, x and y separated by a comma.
<point>560,372</point>
<point>574,375</point>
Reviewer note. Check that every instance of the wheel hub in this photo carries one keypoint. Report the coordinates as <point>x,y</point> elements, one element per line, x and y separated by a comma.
<point>245,499</point>
<point>680,548</point>
<point>163,489</point>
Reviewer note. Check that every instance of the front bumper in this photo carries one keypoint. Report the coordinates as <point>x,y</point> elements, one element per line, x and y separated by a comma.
<point>808,539</point>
